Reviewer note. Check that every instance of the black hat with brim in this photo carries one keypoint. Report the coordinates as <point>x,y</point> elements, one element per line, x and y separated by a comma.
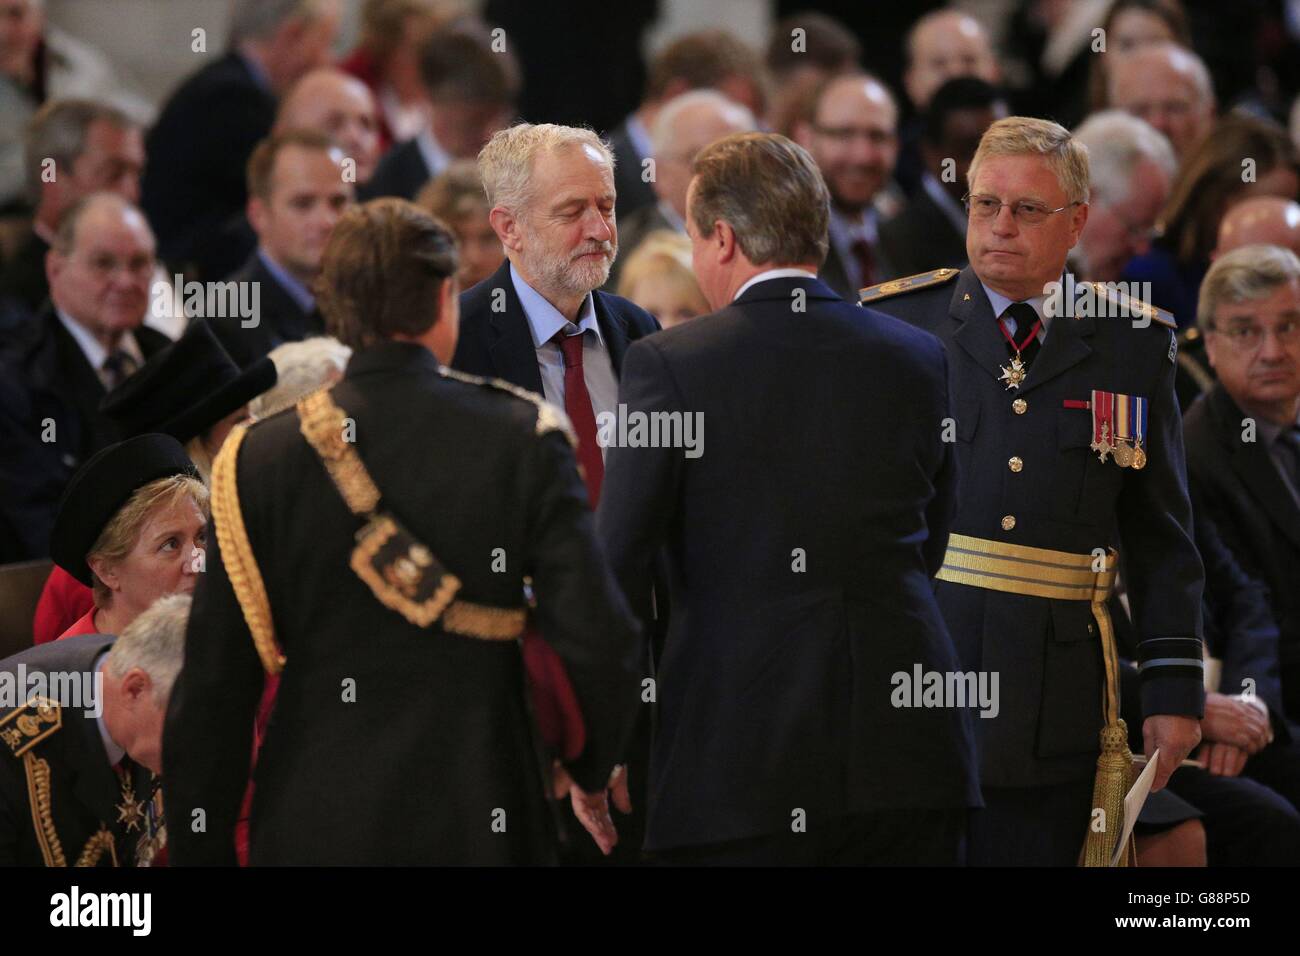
<point>102,486</point>
<point>186,388</point>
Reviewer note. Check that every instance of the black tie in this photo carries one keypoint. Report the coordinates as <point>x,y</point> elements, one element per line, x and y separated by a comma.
<point>119,367</point>
<point>1025,319</point>
<point>1289,442</point>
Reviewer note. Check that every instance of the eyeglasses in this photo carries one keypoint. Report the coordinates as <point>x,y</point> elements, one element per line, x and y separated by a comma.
<point>847,134</point>
<point>1026,212</point>
<point>1248,338</point>
<point>1138,235</point>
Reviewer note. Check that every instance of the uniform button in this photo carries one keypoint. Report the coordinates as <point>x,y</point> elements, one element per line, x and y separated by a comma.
<point>1008,522</point>
<point>1015,464</point>
<point>1019,406</point>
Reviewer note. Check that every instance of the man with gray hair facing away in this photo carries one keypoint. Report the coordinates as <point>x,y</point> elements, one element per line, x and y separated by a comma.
<point>81,755</point>
<point>1132,167</point>
<point>194,190</point>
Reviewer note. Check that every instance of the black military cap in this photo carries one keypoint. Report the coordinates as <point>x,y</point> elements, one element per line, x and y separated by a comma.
<point>186,388</point>
<point>103,485</point>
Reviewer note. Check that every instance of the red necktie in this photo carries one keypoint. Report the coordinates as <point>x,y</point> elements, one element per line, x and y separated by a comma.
<point>866,261</point>
<point>577,403</point>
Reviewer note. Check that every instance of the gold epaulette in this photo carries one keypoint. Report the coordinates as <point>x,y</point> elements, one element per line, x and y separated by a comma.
<point>1131,305</point>
<point>237,553</point>
<point>874,293</point>
<point>549,418</point>
<point>28,725</point>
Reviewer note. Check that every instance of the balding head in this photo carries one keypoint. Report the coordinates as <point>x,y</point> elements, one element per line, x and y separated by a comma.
<point>687,124</point>
<point>853,135</point>
<point>942,45</point>
<point>101,265</point>
<point>1263,220</point>
<point>341,107</point>
<point>1167,86</point>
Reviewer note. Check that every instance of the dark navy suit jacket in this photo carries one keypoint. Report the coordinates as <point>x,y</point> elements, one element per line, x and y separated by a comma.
<point>800,547</point>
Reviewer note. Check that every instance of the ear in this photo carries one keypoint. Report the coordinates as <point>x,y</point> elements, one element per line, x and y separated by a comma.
<point>105,571</point>
<point>257,214</point>
<point>724,238</point>
<point>1077,221</point>
<point>137,687</point>
<point>802,133</point>
<point>1211,348</point>
<point>506,225</point>
<point>55,263</point>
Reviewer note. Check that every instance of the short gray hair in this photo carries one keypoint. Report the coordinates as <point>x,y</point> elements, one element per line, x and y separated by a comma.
<point>259,19</point>
<point>58,131</point>
<point>155,643</point>
<point>301,368</point>
<point>663,135</point>
<point>506,163</point>
<point>1180,58</point>
<point>1243,275</point>
<point>1116,143</point>
<point>1030,136</point>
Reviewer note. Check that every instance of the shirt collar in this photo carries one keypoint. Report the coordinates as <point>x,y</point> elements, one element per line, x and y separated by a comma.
<point>260,76</point>
<point>773,274</point>
<point>1000,303</point>
<point>300,294</point>
<point>670,215</point>
<point>1270,432</point>
<point>431,151</point>
<point>640,136</point>
<point>115,753</point>
<point>544,319</point>
<point>845,230</point>
<point>92,348</point>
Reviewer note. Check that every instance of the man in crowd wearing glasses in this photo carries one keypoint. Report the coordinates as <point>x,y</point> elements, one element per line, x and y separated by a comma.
<point>1069,443</point>
<point>1243,461</point>
<point>852,133</point>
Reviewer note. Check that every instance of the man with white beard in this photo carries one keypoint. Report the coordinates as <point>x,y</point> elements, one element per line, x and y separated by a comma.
<point>541,323</point>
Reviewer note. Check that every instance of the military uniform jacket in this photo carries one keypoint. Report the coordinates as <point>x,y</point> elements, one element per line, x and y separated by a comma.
<point>58,793</point>
<point>392,743</point>
<point>1029,477</point>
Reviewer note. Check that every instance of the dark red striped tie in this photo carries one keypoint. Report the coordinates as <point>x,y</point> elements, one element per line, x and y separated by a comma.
<point>577,403</point>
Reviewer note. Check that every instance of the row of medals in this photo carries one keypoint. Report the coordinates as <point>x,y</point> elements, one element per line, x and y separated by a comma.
<point>1125,455</point>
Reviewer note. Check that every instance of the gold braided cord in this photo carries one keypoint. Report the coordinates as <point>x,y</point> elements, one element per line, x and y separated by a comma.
<point>322,422</point>
<point>38,795</point>
<point>95,847</point>
<point>549,418</point>
<point>237,553</point>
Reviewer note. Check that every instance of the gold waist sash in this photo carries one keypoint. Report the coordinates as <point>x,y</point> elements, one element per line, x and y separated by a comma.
<point>1063,576</point>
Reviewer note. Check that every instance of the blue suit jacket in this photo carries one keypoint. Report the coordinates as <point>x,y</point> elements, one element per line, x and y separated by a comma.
<point>800,545</point>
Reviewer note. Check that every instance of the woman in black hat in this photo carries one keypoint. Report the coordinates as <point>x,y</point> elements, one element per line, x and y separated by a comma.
<point>193,391</point>
<point>132,526</point>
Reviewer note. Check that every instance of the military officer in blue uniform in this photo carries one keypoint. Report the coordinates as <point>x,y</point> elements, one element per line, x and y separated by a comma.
<point>1070,452</point>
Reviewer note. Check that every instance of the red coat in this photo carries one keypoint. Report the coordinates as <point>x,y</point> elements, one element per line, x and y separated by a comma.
<point>63,600</point>
<point>83,625</point>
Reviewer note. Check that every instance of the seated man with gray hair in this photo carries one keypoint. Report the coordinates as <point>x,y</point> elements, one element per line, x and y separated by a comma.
<point>685,126</point>
<point>1243,464</point>
<point>1169,87</point>
<point>81,755</point>
<point>1133,167</point>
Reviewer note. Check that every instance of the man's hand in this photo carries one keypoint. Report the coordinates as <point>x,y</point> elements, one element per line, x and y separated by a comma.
<point>1174,737</point>
<point>1222,760</point>
<point>1230,720</point>
<point>592,810</point>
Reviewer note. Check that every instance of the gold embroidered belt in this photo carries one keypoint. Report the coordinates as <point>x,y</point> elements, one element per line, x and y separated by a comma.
<point>1062,576</point>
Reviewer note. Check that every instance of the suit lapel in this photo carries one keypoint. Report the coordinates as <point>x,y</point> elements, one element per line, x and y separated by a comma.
<point>1252,463</point>
<point>977,333</point>
<point>613,329</point>
<point>514,357</point>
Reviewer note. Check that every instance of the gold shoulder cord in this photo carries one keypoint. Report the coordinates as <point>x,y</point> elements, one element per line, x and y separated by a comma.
<point>237,554</point>
<point>95,847</point>
<point>38,795</point>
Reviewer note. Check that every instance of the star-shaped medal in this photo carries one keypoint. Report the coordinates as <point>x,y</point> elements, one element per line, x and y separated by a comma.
<point>1013,374</point>
<point>130,811</point>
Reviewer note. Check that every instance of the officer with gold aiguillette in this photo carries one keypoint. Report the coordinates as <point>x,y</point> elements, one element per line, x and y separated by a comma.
<point>1070,447</point>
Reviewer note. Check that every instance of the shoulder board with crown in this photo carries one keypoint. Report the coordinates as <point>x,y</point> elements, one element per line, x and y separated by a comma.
<point>27,726</point>
<point>1125,302</point>
<point>923,280</point>
<point>549,418</point>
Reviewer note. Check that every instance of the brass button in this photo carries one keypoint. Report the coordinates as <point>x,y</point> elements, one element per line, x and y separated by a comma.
<point>1015,464</point>
<point>1019,406</point>
<point>1008,522</point>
